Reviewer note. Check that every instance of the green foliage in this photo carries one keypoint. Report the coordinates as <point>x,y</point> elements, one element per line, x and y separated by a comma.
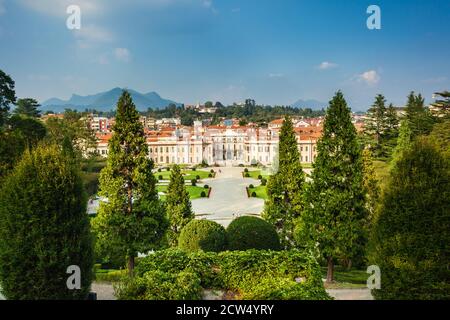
<point>335,214</point>
<point>420,119</point>
<point>193,182</point>
<point>44,228</point>
<point>411,234</point>
<point>259,275</point>
<point>404,141</point>
<point>442,104</point>
<point>203,194</point>
<point>285,188</point>
<point>203,235</point>
<point>440,136</point>
<point>381,127</point>
<point>31,130</point>
<point>72,133</point>
<point>133,219</point>
<point>7,96</point>
<point>247,232</point>
<point>27,107</point>
<point>178,204</point>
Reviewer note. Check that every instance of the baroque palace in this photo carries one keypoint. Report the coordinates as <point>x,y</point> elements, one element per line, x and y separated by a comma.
<point>223,145</point>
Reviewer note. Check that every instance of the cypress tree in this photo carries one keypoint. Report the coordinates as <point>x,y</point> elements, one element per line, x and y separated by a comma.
<point>412,230</point>
<point>335,214</point>
<point>44,228</point>
<point>375,124</point>
<point>404,141</point>
<point>420,119</point>
<point>178,204</point>
<point>133,217</point>
<point>285,187</point>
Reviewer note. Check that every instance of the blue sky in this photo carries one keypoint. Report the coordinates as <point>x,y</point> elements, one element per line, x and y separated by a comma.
<point>196,50</point>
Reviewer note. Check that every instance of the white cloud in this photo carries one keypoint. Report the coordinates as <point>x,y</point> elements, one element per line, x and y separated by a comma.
<point>122,54</point>
<point>370,77</point>
<point>327,65</point>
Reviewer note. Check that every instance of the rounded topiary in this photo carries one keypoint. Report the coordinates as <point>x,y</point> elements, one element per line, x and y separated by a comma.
<point>251,186</point>
<point>263,181</point>
<point>210,175</point>
<point>194,169</point>
<point>159,169</point>
<point>254,194</point>
<point>245,170</point>
<point>203,194</point>
<point>197,177</point>
<point>194,182</point>
<point>203,235</point>
<point>246,233</point>
<point>260,177</point>
<point>206,186</point>
<point>247,175</point>
<point>160,177</point>
<point>212,171</point>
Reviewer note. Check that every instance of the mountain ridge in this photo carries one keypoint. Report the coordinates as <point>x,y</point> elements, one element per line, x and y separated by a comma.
<point>107,100</point>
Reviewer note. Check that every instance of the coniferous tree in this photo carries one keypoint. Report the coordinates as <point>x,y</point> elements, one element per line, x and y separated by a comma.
<point>7,96</point>
<point>375,125</point>
<point>285,188</point>
<point>442,104</point>
<point>27,107</point>
<point>133,217</point>
<point>178,205</point>
<point>335,215</point>
<point>420,119</point>
<point>412,231</point>
<point>404,141</point>
<point>44,228</point>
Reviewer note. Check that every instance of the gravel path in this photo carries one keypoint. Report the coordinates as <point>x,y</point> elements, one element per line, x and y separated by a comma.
<point>228,198</point>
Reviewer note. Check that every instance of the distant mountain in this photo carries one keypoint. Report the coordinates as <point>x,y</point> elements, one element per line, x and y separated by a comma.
<point>106,101</point>
<point>312,104</point>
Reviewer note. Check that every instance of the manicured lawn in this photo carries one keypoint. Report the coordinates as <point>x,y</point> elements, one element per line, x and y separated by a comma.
<point>254,174</point>
<point>261,192</point>
<point>194,192</point>
<point>347,279</point>
<point>187,174</point>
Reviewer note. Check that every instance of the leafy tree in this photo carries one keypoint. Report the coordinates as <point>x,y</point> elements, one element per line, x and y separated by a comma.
<point>335,214</point>
<point>178,205</point>
<point>31,130</point>
<point>27,107</point>
<point>45,228</point>
<point>411,233</point>
<point>7,95</point>
<point>71,132</point>
<point>441,137</point>
<point>404,141</point>
<point>133,217</point>
<point>285,187</point>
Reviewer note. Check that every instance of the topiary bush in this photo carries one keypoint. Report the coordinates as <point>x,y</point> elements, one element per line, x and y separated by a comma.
<point>203,194</point>
<point>247,175</point>
<point>246,233</point>
<point>210,175</point>
<point>203,235</point>
<point>197,177</point>
<point>254,195</point>
<point>160,177</point>
<point>194,182</point>
<point>246,170</point>
<point>251,186</point>
<point>206,186</point>
<point>263,181</point>
<point>260,177</point>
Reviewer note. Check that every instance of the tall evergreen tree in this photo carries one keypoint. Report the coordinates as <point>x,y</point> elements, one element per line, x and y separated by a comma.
<point>44,228</point>
<point>412,230</point>
<point>7,96</point>
<point>420,119</point>
<point>27,107</point>
<point>404,141</point>
<point>285,188</point>
<point>335,214</point>
<point>133,216</point>
<point>178,205</point>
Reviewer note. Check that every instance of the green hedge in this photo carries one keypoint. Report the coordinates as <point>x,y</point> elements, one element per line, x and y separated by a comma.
<point>203,235</point>
<point>174,274</point>
<point>252,233</point>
